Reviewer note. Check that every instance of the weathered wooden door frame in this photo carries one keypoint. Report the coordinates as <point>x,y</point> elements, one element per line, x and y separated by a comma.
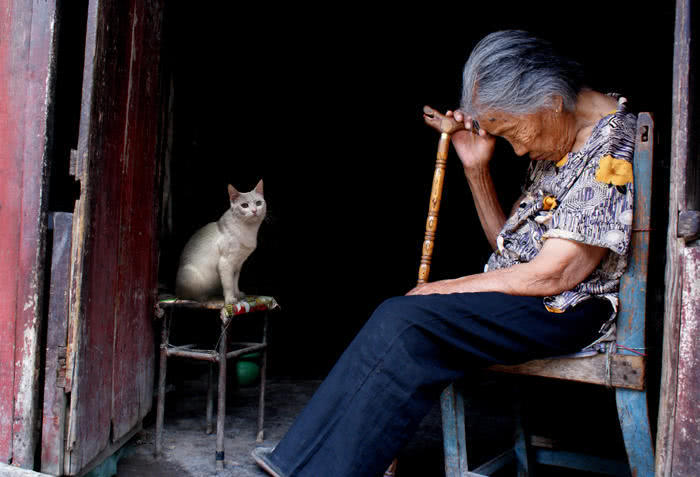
<point>677,451</point>
<point>102,331</point>
<point>110,361</point>
<point>27,78</point>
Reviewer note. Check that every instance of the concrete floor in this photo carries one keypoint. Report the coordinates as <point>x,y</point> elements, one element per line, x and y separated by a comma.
<point>189,451</point>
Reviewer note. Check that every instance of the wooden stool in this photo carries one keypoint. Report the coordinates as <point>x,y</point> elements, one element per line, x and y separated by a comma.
<point>220,355</point>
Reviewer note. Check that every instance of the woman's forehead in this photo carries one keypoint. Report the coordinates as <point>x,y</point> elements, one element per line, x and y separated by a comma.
<point>497,122</point>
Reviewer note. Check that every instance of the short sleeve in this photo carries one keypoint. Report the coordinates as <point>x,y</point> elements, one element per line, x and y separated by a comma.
<point>597,209</point>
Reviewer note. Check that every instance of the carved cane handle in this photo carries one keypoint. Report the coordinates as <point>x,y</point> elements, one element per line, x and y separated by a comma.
<point>440,122</point>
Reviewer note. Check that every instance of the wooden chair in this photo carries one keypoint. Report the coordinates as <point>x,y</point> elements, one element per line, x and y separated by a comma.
<point>220,355</point>
<point>620,367</point>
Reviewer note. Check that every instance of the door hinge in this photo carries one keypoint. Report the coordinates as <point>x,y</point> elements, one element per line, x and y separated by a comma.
<point>61,369</point>
<point>688,225</point>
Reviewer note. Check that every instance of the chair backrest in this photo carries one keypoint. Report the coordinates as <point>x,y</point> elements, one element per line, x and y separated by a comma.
<point>633,285</point>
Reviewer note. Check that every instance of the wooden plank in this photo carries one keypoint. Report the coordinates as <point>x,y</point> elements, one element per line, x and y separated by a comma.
<point>40,78</point>
<point>454,432</point>
<point>116,224</point>
<point>54,407</point>
<point>11,112</point>
<point>626,371</point>
<point>584,462</point>
<point>686,441</point>
<point>26,82</point>
<point>680,128</point>
<point>97,226</point>
<point>132,393</point>
<point>632,409</point>
<point>632,412</point>
<point>631,323</point>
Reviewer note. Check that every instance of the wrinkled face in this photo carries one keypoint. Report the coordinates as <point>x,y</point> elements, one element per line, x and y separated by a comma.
<point>544,135</point>
<point>249,206</point>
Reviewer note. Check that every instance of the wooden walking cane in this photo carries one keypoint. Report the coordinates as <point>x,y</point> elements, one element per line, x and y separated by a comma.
<point>446,126</point>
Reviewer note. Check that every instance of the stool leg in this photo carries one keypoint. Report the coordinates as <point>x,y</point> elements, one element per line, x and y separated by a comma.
<point>160,411</point>
<point>263,375</point>
<point>210,400</point>
<point>221,410</point>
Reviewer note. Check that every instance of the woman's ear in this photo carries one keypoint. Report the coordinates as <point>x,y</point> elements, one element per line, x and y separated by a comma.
<point>558,103</point>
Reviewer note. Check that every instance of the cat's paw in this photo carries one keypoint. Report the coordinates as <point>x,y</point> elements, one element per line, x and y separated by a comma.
<point>231,299</point>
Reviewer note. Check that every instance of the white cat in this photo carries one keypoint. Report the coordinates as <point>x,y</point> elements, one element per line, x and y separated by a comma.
<point>211,261</point>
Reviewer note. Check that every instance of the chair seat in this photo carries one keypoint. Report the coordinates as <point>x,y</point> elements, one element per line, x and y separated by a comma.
<point>247,304</point>
<point>622,371</point>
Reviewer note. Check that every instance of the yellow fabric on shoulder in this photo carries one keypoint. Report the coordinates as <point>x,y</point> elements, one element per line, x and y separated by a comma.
<point>614,171</point>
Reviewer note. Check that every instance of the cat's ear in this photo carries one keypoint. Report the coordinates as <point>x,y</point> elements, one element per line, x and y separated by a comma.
<point>233,193</point>
<point>259,187</point>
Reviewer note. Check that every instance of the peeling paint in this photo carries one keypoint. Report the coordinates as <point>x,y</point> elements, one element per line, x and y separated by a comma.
<point>687,419</point>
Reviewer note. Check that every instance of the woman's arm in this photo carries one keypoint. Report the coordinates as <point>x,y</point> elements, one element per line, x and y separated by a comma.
<point>475,152</point>
<point>560,266</point>
<point>486,202</point>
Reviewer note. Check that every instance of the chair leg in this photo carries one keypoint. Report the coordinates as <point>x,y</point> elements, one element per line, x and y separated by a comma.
<point>160,411</point>
<point>221,409</point>
<point>634,422</point>
<point>263,376</point>
<point>210,400</point>
<point>522,448</point>
<point>453,432</point>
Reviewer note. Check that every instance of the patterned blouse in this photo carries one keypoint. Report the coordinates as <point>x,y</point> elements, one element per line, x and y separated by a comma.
<point>587,197</point>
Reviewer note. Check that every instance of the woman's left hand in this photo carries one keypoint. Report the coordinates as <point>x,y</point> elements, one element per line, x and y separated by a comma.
<point>441,287</point>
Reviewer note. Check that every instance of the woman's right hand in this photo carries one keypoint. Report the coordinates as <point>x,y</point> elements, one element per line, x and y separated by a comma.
<point>474,150</point>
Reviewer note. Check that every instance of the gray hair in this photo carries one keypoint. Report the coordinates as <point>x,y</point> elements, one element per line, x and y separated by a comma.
<point>517,73</point>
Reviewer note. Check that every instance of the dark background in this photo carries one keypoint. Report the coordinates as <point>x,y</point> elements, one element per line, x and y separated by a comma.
<point>325,105</point>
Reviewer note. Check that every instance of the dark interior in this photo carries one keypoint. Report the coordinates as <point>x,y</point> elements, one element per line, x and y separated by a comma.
<point>325,106</point>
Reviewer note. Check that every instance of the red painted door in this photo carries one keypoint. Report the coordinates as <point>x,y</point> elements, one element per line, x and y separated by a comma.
<point>26,79</point>
<point>110,355</point>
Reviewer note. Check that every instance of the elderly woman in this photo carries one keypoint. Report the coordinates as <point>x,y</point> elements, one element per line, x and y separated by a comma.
<point>549,288</point>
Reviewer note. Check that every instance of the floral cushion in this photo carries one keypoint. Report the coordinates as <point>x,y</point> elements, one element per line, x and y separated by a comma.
<point>247,304</point>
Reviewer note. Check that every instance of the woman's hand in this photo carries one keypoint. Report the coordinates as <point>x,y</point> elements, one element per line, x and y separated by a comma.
<point>474,150</point>
<point>441,287</point>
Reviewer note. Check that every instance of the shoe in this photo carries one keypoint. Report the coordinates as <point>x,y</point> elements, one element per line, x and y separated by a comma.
<point>261,455</point>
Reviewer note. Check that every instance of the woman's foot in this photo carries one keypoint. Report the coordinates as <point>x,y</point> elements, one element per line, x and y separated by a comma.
<point>261,457</point>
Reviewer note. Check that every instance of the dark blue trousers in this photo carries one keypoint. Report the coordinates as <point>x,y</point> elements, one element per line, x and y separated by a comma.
<point>408,352</point>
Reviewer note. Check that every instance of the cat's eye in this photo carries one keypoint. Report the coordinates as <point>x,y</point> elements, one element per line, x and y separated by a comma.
<point>244,205</point>
<point>258,203</point>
